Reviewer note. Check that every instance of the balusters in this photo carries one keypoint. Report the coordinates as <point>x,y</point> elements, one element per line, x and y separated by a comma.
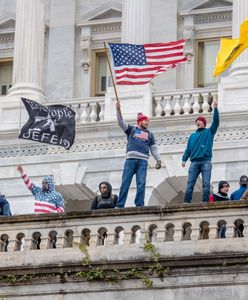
<point>186,105</point>
<point>177,107</point>
<point>84,113</point>
<point>196,105</point>
<point>93,112</point>
<point>205,105</point>
<point>158,107</point>
<point>76,108</point>
<point>101,114</point>
<point>167,108</point>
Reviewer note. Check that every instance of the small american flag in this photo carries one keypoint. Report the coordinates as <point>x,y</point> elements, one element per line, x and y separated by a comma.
<point>140,134</point>
<point>41,207</point>
<point>138,64</point>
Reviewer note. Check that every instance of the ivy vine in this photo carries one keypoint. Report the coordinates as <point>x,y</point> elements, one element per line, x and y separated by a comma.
<point>92,273</point>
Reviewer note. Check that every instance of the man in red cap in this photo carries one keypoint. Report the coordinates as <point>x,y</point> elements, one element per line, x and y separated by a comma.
<point>140,141</point>
<point>199,150</point>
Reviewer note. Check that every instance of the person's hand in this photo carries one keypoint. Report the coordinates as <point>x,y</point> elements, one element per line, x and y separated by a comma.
<point>118,105</point>
<point>19,168</point>
<point>158,164</point>
<point>183,164</point>
<point>215,104</point>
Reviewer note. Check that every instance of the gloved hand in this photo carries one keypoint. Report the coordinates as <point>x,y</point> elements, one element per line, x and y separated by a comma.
<point>158,164</point>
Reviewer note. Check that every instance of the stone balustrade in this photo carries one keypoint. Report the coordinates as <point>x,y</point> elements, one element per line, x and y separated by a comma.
<point>166,225</point>
<point>184,102</point>
<point>172,103</point>
<point>87,110</point>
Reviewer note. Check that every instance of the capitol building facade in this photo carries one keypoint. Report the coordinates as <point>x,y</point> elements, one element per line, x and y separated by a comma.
<point>52,51</point>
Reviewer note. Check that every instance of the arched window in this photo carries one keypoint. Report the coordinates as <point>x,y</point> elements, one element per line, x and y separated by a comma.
<point>187,231</point>
<point>204,230</point>
<point>169,232</point>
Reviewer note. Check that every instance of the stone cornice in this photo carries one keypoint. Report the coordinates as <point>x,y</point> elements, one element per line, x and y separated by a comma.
<point>206,11</point>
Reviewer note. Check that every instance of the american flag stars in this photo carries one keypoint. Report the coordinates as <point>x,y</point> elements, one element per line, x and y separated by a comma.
<point>127,54</point>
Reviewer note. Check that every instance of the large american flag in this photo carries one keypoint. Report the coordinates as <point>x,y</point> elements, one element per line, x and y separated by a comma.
<point>138,64</point>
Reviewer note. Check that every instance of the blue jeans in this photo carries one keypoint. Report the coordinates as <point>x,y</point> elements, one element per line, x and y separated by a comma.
<point>197,167</point>
<point>131,167</point>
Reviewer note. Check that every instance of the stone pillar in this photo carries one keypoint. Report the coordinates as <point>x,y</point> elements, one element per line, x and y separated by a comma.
<point>240,13</point>
<point>136,21</point>
<point>28,49</point>
<point>233,89</point>
<point>136,27</point>
<point>61,50</point>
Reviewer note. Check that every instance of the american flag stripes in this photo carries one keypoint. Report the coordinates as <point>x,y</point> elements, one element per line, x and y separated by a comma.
<point>41,207</point>
<point>138,64</point>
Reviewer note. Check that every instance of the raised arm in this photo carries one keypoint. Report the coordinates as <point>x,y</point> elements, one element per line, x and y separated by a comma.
<point>25,177</point>
<point>120,120</point>
<point>216,119</point>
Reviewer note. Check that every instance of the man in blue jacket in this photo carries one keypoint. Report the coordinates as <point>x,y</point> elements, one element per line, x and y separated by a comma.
<point>199,150</point>
<point>4,206</point>
<point>243,182</point>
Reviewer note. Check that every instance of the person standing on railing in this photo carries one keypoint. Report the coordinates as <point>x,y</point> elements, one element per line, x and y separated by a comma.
<point>48,200</point>
<point>4,206</point>
<point>106,199</point>
<point>140,141</point>
<point>199,150</point>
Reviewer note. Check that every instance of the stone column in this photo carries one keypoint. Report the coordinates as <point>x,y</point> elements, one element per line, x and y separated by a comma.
<point>136,21</point>
<point>233,89</point>
<point>28,49</point>
<point>240,13</point>
<point>136,28</point>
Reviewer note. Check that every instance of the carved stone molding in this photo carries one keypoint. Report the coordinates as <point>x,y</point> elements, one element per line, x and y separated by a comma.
<point>221,17</point>
<point>90,145</point>
<point>86,49</point>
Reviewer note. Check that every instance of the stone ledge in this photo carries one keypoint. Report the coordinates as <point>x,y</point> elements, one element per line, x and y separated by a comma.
<point>129,211</point>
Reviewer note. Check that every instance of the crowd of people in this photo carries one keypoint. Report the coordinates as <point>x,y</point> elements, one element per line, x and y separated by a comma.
<point>140,143</point>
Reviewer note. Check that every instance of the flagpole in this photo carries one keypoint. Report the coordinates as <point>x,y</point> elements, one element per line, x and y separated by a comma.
<point>111,73</point>
<point>20,126</point>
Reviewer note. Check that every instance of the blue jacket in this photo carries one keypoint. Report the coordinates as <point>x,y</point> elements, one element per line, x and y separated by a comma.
<point>236,195</point>
<point>4,207</point>
<point>200,142</point>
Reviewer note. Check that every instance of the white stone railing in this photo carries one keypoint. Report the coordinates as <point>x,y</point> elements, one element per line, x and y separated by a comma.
<point>167,225</point>
<point>87,110</point>
<point>184,102</point>
<point>171,103</point>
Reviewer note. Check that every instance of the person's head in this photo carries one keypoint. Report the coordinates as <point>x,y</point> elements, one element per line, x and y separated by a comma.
<point>243,181</point>
<point>224,187</point>
<point>105,189</point>
<point>142,120</point>
<point>200,122</point>
<point>47,184</point>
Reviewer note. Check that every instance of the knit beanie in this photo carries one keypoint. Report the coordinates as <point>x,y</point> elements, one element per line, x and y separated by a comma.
<point>204,121</point>
<point>141,117</point>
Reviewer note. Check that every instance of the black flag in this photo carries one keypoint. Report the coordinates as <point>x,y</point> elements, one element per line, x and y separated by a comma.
<point>53,124</point>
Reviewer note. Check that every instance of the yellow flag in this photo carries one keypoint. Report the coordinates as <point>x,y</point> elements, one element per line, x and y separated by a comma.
<point>231,49</point>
